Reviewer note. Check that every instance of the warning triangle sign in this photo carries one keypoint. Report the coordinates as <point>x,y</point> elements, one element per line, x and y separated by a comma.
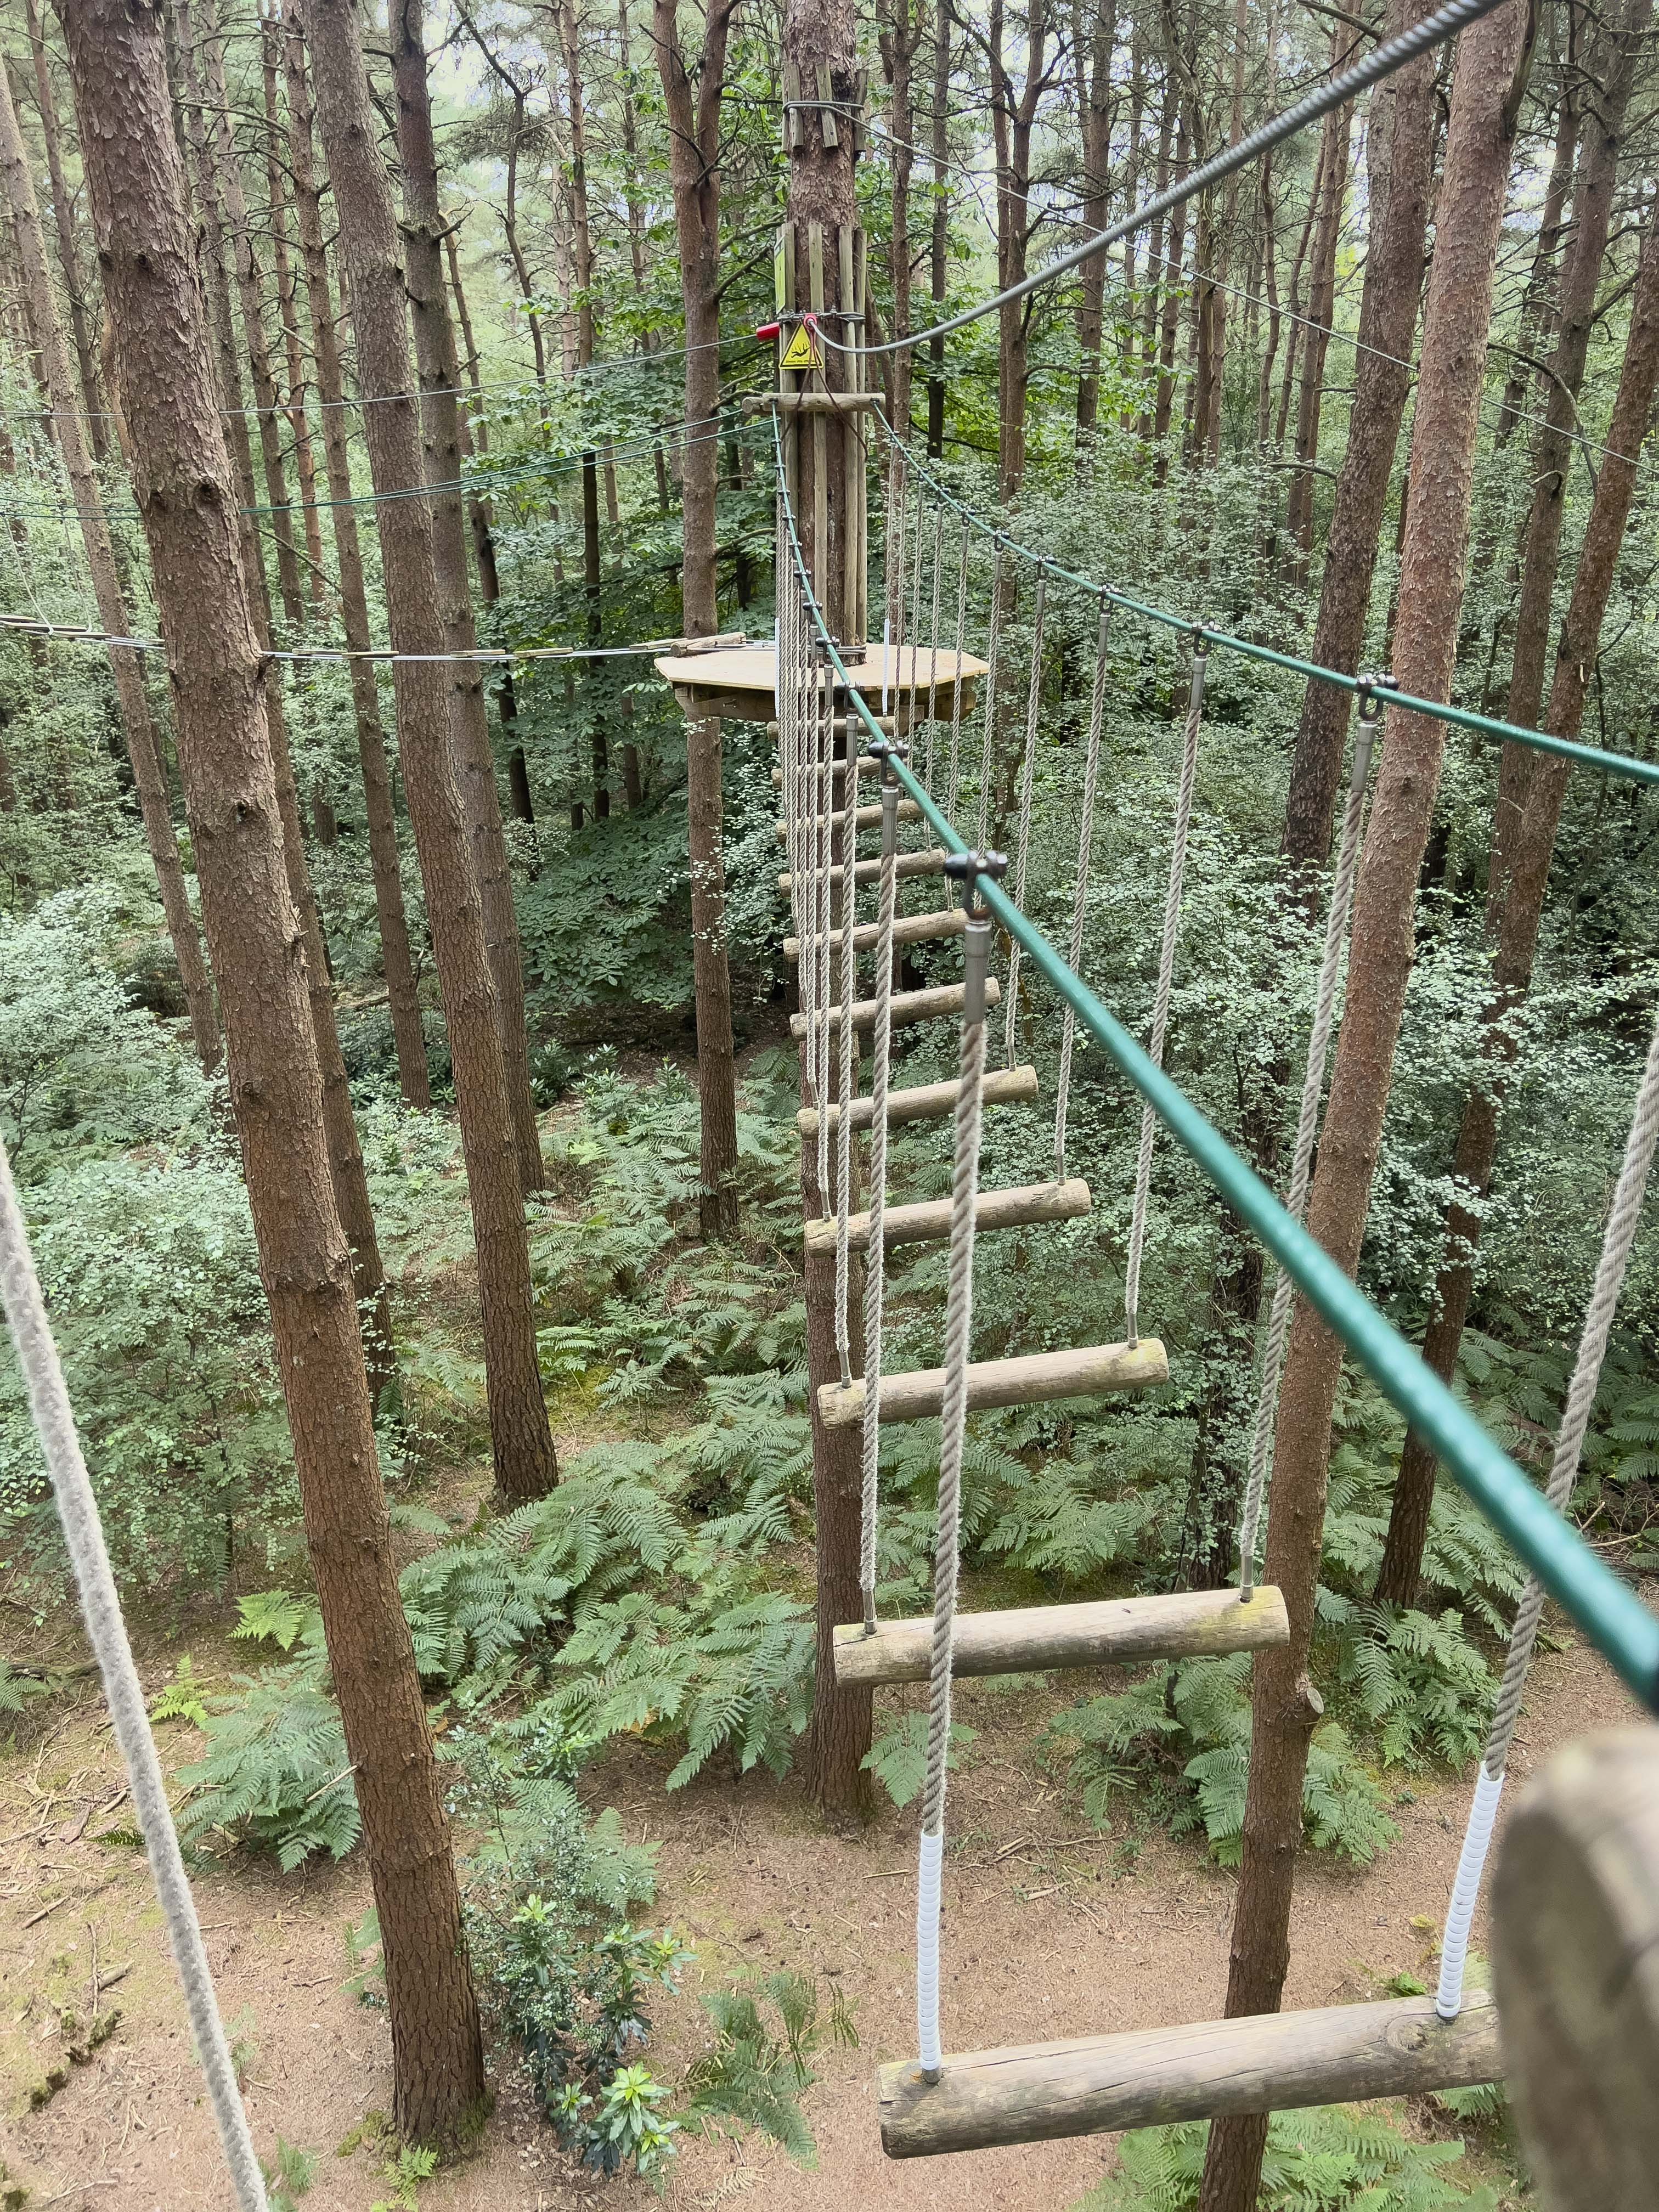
<point>802,351</point>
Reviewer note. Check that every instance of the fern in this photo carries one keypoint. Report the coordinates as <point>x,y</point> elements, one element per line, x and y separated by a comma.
<point>276,1772</point>
<point>899,1759</point>
<point>182,1699</point>
<point>754,2074</point>
<point>1334,2158</point>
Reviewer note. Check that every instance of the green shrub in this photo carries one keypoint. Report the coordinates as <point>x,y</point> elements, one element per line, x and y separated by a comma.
<point>1334,2158</point>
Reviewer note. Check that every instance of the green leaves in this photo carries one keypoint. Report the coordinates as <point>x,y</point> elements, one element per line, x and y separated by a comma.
<point>1334,2158</point>
<point>898,1758</point>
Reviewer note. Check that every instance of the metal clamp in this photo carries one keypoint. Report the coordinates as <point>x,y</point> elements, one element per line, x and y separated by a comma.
<point>967,868</point>
<point>889,751</point>
<point>1367,689</point>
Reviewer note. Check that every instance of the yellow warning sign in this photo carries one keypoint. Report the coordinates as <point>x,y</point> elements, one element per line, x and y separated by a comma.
<point>802,351</point>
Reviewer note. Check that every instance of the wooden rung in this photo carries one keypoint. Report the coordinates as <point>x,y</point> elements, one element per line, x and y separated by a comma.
<point>908,1006</point>
<point>929,1102</point>
<point>928,1221</point>
<point>1262,2062</point>
<point>855,726</point>
<point>1119,1632</point>
<point>928,863</point>
<point>907,929</point>
<point>1039,1375</point>
<point>867,817</point>
<point>868,766</point>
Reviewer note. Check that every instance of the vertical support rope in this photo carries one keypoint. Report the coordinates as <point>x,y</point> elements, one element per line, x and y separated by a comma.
<point>1021,850</point>
<point>849,852</point>
<point>894,582</point>
<point>1086,845</point>
<point>1313,1086</point>
<point>1622,1220</point>
<point>955,688</point>
<point>876,1257</point>
<point>1183,818</point>
<point>823,695</point>
<point>915,595</point>
<point>954,1421</point>
<point>993,648</point>
<point>932,646</point>
<point>100,1608</point>
<point>889,521</point>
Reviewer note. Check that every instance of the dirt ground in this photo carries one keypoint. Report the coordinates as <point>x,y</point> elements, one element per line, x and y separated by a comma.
<point>1049,1932</point>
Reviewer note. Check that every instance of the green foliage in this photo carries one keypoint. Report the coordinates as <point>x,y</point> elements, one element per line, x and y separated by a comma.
<point>1334,2158</point>
<point>290,2178</point>
<point>898,1757</point>
<point>406,2172</point>
<point>754,2075</point>
<point>1186,1730</point>
<point>183,1698</point>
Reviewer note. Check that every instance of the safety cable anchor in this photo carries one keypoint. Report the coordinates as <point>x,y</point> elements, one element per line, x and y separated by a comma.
<point>888,751</point>
<point>1367,687</point>
<point>967,868</point>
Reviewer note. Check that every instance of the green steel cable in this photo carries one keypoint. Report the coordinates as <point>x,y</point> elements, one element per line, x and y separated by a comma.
<point>1465,718</point>
<point>1610,1615</point>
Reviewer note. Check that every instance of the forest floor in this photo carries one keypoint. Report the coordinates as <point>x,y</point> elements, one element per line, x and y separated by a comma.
<point>1049,1931</point>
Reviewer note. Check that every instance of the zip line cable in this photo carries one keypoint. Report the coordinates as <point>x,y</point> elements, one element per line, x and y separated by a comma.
<point>1432,31</point>
<point>61,634</point>
<point>1463,718</point>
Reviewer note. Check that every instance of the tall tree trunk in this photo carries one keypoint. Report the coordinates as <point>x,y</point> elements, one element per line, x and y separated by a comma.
<point>188,498</point>
<point>469,728</point>
<point>693,107</point>
<point>899,35</point>
<point>63,215</point>
<point>523,1445</point>
<point>345,1153</point>
<point>1285,1710</point>
<point>938,242</point>
<point>408,1037</point>
<point>1321,302</point>
<point>1537,300</point>
<point>1096,39</point>
<point>276,176</point>
<point>137,727</point>
<point>1552,452</point>
<point>1013,115</point>
<point>1516,935</point>
<point>1401,147</point>
<point>234,202</point>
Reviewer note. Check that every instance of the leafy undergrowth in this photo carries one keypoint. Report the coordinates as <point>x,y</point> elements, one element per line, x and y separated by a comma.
<point>1334,2158</point>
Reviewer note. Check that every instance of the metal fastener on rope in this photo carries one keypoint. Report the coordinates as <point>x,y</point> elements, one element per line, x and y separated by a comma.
<point>888,751</point>
<point>967,868</point>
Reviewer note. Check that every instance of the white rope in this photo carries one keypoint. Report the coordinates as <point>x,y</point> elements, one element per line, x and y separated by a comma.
<point>875,1262</point>
<point>100,1608</point>
<point>1623,1221</point>
<point>915,596</point>
<point>1327,1002</point>
<point>1085,843</point>
<point>823,697</point>
<point>956,690</point>
<point>1022,851</point>
<point>849,844</point>
<point>1165,974</point>
<point>932,648</point>
<point>953,1423</point>
<point>894,579</point>
<point>992,649</point>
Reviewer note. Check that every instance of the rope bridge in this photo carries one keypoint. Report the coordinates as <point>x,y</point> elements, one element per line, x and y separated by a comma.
<point>937,2103</point>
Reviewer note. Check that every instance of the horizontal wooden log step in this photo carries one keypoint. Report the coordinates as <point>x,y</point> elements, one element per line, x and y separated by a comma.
<point>1118,1631</point>
<point>928,1220</point>
<point>1031,1379</point>
<point>929,1006</point>
<point>865,817</point>
<point>868,766</point>
<point>907,929</point>
<point>854,727</point>
<point>808,402</point>
<point>1263,2063</point>
<point>929,1102</point>
<point>928,863</point>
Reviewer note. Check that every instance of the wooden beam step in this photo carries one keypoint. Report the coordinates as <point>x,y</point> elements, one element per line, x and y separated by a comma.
<point>1119,1632</point>
<point>868,766</point>
<point>929,1006</point>
<point>1262,2062</point>
<point>929,1102</point>
<point>867,817</point>
<point>907,929</point>
<point>928,1221</point>
<point>1031,1379</point>
<point>928,863</point>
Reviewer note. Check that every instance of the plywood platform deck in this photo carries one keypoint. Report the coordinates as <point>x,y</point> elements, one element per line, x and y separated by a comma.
<point>740,684</point>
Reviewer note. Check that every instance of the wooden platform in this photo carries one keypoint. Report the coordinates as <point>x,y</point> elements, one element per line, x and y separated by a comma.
<point>928,1221</point>
<point>929,1102</point>
<point>908,1006</point>
<point>1091,1372</point>
<point>741,685</point>
<point>1263,2063</point>
<point>1118,1631</point>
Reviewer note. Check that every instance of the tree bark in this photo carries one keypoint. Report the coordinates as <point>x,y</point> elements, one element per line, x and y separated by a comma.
<point>938,242</point>
<point>1535,300</point>
<point>1013,116</point>
<point>1285,1709</point>
<point>276,177</point>
<point>63,216</point>
<point>1321,301</point>
<point>1095,116</point>
<point>1402,131</point>
<point>900,36</point>
<point>693,156</point>
<point>408,1037</point>
<point>523,1445</point>
<point>469,730</point>
<point>137,727</point>
<point>1516,933</point>
<point>188,498</point>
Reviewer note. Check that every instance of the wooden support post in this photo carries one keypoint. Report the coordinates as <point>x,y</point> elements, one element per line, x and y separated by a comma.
<point>1260,2062</point>
<point>1576,1967</point>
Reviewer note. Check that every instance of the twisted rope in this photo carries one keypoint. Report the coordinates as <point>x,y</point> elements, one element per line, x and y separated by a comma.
<point>1165,974</point>
<point>932,649</point>
<point>894,582</point>
<point>100,1608</point>
<point>1623,1221</point>
<point>916,594</point>
<point>892,520</point>
<point>956,691</point>
<point>993,651</point>
<point>954,1421</point>
<point>849,842</point>
<point>1086,845</point>
<point>823,694</point>
<point>1326,999</point>
<point>875,1261</point>
<point>1028,770</point>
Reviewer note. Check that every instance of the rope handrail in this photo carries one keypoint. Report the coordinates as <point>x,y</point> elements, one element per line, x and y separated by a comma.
<point>1464,718</point>
<point>1609,1615</point>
